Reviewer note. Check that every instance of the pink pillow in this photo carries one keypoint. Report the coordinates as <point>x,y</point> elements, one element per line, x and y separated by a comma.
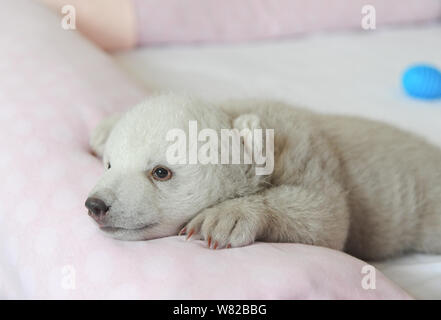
<point>55,86</point>
<point>174,21</point>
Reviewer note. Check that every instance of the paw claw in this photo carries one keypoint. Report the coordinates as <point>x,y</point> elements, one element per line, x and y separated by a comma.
<point>229,246</point>
<point>215,245</point>
<point>190,234</point>
<point>209,242</point>
<point>183,230</point>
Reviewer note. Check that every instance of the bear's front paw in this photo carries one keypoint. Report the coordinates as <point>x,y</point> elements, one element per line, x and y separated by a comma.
<point>224,226</point>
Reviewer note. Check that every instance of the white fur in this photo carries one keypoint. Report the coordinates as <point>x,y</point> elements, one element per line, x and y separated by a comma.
<point>340,182</point>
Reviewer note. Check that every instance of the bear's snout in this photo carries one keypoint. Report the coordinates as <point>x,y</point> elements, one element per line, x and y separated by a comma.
<point>97,208</point>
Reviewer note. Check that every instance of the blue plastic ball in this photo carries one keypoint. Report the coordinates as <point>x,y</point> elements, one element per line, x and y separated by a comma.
<point>422,81</point>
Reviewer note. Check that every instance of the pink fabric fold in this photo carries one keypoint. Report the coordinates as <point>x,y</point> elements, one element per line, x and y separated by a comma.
<point>178,21</point>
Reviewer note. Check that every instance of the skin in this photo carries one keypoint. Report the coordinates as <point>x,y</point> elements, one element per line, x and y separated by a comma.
<point>340,182</point>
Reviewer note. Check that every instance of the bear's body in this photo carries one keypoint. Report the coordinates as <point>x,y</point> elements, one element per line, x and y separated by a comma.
<point>341,182</point>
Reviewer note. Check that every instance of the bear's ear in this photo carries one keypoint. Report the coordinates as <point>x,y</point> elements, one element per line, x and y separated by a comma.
<point>100,134</point>
<point>250,122</point>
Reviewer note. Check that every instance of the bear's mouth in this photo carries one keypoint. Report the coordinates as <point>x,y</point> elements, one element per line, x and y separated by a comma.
<point>110,229</point>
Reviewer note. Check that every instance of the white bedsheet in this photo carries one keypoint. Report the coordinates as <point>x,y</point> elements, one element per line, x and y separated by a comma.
<point>352,73</point>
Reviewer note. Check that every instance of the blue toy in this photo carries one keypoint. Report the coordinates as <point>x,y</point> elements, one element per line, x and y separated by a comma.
<point>423,82</point>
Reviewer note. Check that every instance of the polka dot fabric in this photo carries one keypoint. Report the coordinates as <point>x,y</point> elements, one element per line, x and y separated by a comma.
<point>54,88</point>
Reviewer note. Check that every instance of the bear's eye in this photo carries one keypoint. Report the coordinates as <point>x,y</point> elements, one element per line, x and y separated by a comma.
<point>161,173</point>
<point>108,165</point>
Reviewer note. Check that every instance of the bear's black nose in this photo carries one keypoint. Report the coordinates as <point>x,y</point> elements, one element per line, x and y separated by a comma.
<point>97,208</point>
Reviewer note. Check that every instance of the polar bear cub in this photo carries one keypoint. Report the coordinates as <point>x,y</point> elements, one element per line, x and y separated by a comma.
<point>341,182</point>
